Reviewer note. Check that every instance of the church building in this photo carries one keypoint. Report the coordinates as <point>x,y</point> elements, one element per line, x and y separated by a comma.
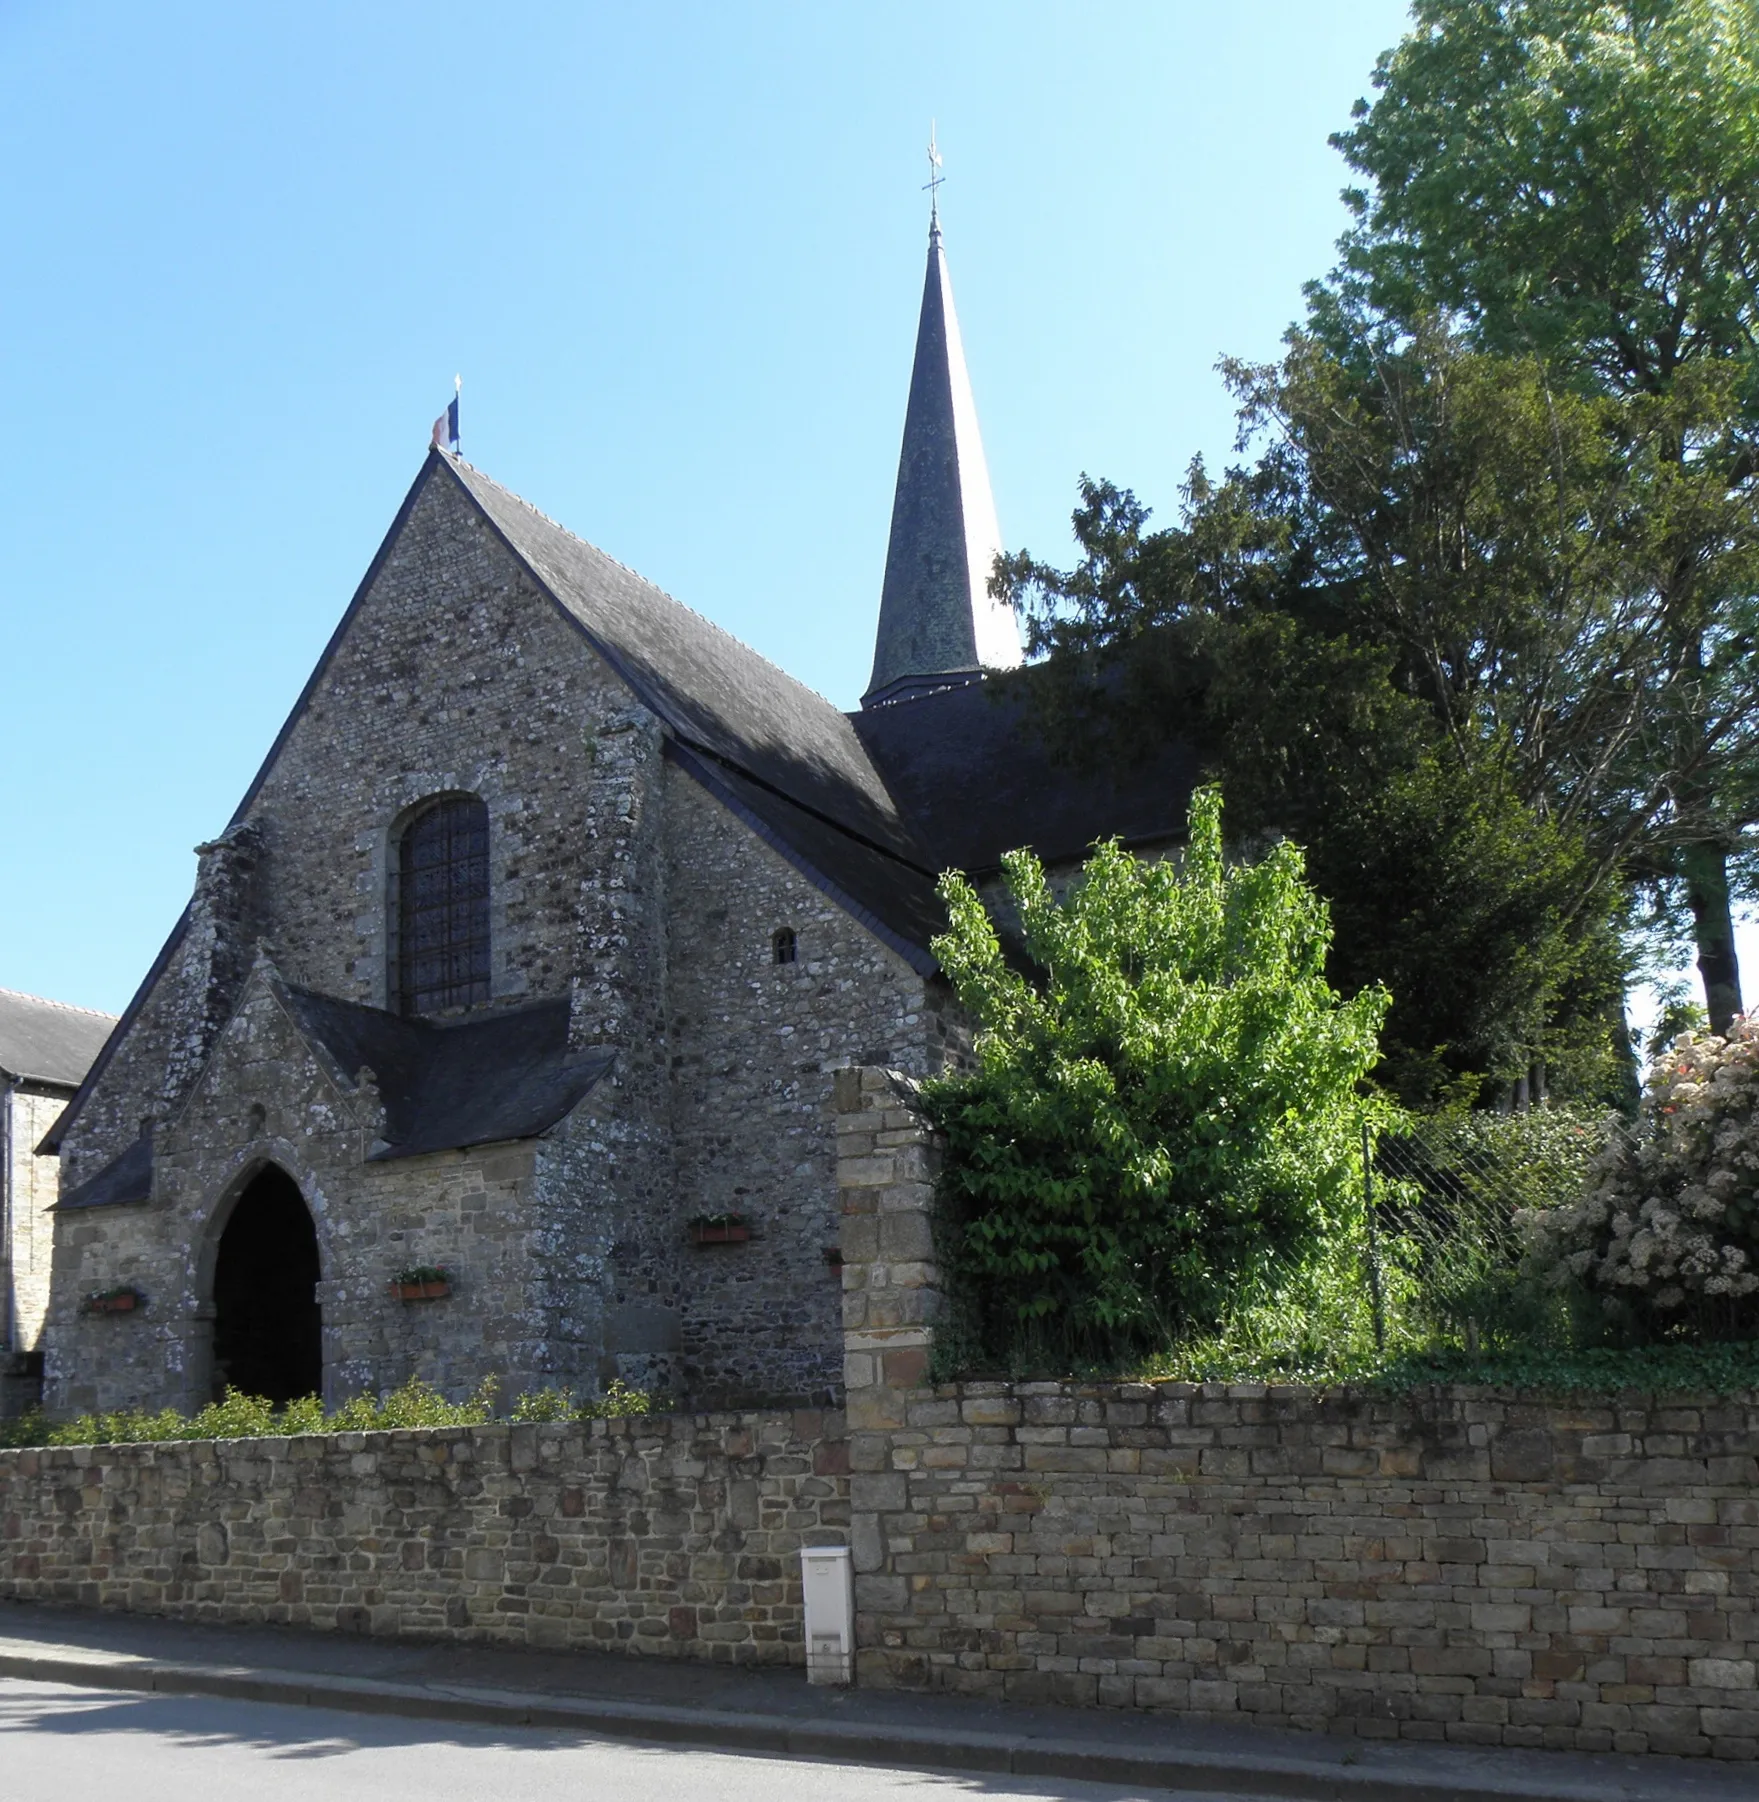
<point>498,1035</point>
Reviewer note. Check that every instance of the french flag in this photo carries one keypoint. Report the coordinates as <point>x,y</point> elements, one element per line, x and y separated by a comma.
<point>446,426</point>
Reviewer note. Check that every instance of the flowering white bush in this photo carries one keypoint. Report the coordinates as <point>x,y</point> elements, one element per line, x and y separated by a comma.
<point>1667,1235</point>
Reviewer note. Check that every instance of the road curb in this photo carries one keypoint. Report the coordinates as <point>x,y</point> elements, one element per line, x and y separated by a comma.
<point>1019,1755</point>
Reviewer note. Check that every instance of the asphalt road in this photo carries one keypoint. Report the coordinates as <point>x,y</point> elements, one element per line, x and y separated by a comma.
<point>58,1742</point>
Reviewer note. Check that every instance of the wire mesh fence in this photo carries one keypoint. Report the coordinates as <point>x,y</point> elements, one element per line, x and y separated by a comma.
<point>1444,1198</point>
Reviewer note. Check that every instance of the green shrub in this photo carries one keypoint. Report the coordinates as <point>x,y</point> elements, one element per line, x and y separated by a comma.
<point>30,1428</point>
<point>415,1404</point>
<point>546,1405</point>
<point>1163,1115</point>
<point>617,1402</point>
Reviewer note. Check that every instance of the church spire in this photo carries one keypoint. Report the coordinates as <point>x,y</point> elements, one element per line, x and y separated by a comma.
<point>938,627</point>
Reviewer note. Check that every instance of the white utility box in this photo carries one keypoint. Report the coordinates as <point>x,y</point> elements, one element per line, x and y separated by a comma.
<point>828,1579</point>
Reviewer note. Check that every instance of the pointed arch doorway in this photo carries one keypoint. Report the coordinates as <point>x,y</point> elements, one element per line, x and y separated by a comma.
<point>268,1331</point>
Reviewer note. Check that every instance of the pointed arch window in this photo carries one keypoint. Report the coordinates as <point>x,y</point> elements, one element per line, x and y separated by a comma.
<point>443,907</point>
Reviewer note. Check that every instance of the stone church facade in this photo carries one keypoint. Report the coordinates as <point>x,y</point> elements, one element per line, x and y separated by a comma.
<point>529,956</point>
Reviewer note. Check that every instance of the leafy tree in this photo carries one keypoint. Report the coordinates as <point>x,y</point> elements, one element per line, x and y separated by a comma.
<point>1573,178</point>
<point>1500,540</point>
<point>1579,180</point>
<point>1163,1110</point>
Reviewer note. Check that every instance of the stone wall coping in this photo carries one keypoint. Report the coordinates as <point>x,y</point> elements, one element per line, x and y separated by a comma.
<point>1120,1389</point>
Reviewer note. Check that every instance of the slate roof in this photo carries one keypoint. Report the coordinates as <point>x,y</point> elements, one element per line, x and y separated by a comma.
<point>506,1075</point>
<point>715,693</point>
<point>974,780</point>
<point>48,1041</point>
<point>126,1179</point>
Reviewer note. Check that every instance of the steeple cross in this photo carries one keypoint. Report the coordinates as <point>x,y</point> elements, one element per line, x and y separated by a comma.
<point>932,186</point>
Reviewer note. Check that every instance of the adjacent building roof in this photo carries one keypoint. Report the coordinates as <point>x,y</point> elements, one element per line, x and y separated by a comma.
<point>938,623</point>
<point>48,1041</point>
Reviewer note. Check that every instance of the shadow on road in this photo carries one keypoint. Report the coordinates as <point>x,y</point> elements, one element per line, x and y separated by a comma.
<point>283,1732</point>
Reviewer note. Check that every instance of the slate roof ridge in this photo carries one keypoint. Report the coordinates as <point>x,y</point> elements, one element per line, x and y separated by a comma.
<point>851,833</point>
<point>646,582</point>
<point>70,1007</point>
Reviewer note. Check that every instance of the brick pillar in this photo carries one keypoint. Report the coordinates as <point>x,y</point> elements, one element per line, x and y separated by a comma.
<point>886,1162</point>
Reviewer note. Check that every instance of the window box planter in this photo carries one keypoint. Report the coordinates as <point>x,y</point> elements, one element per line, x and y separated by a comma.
<point>720,1229</point>
<point>424,1283</point>
<point>124,1300</point>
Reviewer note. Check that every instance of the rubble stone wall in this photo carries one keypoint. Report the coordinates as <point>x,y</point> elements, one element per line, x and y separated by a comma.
<point>675,1536</point>
<point>755,1044</point>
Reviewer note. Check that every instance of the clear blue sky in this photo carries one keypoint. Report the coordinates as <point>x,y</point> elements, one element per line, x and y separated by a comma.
<point>676,252</point>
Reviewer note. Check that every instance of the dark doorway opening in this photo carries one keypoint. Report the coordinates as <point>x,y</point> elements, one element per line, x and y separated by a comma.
<point>267,1328</point>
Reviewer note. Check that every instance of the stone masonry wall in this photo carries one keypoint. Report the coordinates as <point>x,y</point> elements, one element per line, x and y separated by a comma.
<point>673,1536</point>
<point>754,1044</point>
<point>1465,1565</point>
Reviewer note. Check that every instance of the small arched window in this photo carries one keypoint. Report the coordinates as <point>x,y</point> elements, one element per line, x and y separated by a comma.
<point>443,907</point>
<point>784,946</point>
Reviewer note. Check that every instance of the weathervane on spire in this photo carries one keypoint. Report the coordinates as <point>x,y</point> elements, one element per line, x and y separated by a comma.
<point>935,178</point>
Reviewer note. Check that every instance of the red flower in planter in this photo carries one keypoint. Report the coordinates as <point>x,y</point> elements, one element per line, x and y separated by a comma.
<point>423,1282</point>
<point>124,1299</point>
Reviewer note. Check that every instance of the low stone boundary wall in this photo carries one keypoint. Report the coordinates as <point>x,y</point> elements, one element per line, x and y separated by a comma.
<point>1463,1565</point>
<point>675,1536</point>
